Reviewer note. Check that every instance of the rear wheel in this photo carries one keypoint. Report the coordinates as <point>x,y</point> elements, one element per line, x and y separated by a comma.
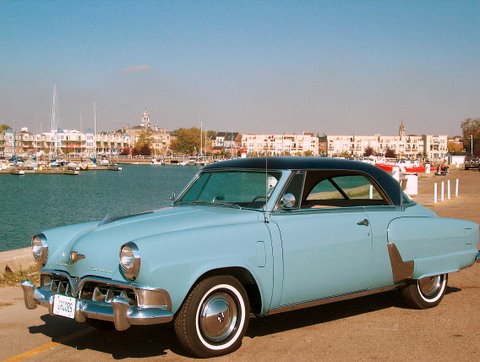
<point>425,292</point>
<point>213,319</point>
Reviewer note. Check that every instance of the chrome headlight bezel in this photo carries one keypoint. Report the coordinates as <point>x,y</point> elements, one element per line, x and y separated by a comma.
<point>40,248</point>
<point>129,260</point>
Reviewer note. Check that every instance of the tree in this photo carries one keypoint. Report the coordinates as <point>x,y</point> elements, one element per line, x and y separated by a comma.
<point>368,151</point>
<point>4,127</point>
<point>143,146</point>
<point>126,151</point>
<point>454,147</point>
<point>389,153</point>
<point>471,133</point>
<point>188,140</point>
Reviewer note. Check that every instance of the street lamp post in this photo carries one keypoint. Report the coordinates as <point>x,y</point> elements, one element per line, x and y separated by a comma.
<point>471,144</point>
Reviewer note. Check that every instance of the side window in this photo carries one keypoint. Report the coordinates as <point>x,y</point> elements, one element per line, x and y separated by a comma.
<point>357,187</point>
<point>324,190</point>
<point>339,190</point>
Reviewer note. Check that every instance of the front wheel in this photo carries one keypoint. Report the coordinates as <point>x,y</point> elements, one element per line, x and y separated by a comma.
<point>425,292</point>
<point>213,319</point>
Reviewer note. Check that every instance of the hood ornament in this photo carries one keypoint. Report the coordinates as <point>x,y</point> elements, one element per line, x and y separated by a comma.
<point>76,256</point>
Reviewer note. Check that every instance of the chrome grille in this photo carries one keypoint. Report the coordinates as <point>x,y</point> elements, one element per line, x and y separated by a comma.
<point>57,284</point>
<point>105,293</point>
<point>90,288</point>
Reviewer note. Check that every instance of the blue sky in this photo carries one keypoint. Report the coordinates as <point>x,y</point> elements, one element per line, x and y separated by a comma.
<point>334,67</point>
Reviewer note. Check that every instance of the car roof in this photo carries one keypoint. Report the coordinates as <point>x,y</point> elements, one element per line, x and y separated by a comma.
<point>388,183</point>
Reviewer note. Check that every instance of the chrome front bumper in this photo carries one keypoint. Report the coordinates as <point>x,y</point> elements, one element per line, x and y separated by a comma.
<point>118,310</point>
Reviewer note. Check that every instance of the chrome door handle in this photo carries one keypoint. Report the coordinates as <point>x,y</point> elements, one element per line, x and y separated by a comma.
<point>363,222</point>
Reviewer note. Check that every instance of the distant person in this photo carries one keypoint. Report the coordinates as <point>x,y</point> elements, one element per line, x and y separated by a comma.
<point>442,169</point>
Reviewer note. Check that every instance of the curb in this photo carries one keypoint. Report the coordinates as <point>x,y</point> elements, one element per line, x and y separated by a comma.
<point>16,260</point>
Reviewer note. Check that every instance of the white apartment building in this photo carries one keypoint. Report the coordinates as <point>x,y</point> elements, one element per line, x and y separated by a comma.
<point>280,144</point>
<point>7,143</point>
<point>408,146</point>
<point>405,146</point>
<point>411,146</point>
<point>62,142</point>
<point>436,147</point>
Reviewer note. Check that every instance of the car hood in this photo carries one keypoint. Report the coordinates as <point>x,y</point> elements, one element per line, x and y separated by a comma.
<point>98,247</point>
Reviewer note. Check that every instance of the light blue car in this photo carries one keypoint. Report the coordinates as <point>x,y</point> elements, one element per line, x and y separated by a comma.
<point>251,237</point>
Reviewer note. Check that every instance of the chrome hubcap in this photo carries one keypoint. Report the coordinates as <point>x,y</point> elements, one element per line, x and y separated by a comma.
<point>430,286</point>
<point>218,317</point>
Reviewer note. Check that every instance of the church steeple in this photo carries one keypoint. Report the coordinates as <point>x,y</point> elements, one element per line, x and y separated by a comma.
<point>145,119</point>
<point>401,130</point>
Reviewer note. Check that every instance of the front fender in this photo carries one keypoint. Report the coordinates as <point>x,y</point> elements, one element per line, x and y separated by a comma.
<point>176,261</point>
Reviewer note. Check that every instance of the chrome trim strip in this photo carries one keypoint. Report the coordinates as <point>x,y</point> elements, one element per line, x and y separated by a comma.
<point>401,270</point>
<point>339,298</point>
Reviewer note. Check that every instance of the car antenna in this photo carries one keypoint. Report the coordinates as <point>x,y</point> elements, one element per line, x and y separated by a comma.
<point>266,189</point>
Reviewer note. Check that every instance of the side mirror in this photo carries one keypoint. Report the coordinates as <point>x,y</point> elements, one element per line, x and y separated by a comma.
<point>288,201</point>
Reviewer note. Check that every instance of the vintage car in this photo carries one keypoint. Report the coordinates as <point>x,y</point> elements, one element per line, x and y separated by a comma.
<point>251,237</point>
<point>471,162</point>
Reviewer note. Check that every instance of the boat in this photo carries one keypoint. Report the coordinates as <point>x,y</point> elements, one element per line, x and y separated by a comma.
<point>72,166</point>
<point>405,167</point>
<point>157,162</point>
<point>412,169</point>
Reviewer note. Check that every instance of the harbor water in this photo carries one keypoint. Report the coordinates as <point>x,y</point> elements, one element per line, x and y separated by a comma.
<point>32,203</point>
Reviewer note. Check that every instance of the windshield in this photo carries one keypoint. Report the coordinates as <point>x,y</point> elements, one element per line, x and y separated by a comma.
<point>249,189</point>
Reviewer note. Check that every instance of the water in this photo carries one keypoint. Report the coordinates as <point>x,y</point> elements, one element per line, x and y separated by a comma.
<point>32,203</point>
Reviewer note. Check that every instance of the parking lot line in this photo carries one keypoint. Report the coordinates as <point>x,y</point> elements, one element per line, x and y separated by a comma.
<point>48,346</point>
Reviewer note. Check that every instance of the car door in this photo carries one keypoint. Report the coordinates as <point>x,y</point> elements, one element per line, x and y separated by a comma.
<point>326,236</point>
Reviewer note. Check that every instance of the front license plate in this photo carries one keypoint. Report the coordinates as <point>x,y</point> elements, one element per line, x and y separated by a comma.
<point>64,306</point>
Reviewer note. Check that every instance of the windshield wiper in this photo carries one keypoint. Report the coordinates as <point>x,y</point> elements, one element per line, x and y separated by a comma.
<point>227,204</point>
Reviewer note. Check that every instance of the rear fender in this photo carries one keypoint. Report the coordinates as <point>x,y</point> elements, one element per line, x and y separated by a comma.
<point>431,246</point>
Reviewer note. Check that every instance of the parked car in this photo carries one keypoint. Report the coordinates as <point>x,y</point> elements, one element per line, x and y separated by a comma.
<point>471,162</point>
<point>251,237</point>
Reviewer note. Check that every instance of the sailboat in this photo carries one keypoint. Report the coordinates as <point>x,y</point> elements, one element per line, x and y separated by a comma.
<point>104,164</point>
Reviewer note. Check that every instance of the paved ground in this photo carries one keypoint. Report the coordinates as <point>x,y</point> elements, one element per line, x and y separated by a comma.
<point>372,328</point>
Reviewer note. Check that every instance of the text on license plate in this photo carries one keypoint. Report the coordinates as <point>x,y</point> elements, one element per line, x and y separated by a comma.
<point>64,306</point>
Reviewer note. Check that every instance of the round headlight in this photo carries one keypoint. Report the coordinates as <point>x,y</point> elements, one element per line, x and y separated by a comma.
<point>40,248</point>
<point>130,260</point>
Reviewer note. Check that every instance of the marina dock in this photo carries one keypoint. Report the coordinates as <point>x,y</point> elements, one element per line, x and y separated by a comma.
<point>58,171</point>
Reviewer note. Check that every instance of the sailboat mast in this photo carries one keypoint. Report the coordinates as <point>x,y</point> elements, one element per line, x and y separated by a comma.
<point>95,129</point>
<point>53,124</point>
<point>201,138</point>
